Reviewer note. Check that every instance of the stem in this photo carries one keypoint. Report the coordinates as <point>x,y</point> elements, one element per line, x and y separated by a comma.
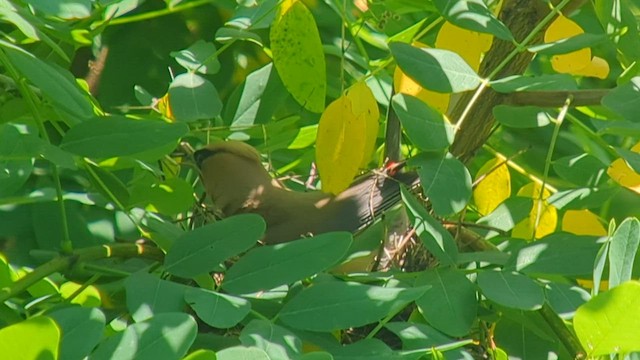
<point>567,338</point>
<point>31,99</point>
<point>158,13</point>
<point>87,254</point>
<point>547,162</point>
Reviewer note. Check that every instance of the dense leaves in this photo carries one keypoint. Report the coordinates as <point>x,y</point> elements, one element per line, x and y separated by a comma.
<point>516,234</point>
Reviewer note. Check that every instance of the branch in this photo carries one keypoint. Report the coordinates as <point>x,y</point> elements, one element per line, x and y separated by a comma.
<point>67,261</point>
<point>555,98</point>
<point>522,17</point>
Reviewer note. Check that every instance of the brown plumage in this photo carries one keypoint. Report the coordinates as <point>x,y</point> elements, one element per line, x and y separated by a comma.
<point>234,177</point>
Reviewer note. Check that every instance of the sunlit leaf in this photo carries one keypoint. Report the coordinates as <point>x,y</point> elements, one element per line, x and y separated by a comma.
<point>403,84</point>
<point>35,338</point>
<point>621,173</point>
<point>582,222</point>
<point>435,69</point>
<point>536,226</point>
<point>562,28</point>
<point>297,54</point>
<point>610,322</point>
<point>473,15</point>
<point>470,45</point>
<point>494,186</point>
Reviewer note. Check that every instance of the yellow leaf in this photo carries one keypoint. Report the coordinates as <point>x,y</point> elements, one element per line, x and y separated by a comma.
<point>548,215</point>
<point>468,44</point>
<point>364,104</point>
<point>88,297</point>
<point>494,188</point>
<point>298,55</point>
<point>621,173</point>
<point>35,338</point>
<point>598,67</point>
<point>339,145</point>
<point>562,28</point>
<point>406,85</point>
<point>582,222</point>
<point>165,108</point>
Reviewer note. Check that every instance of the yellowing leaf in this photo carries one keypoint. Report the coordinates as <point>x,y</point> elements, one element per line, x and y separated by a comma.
<point>468,44</point>
<point>562,28</point>
<point>298,56</point>
<point>548,215</point>
<point>406,85</point>
<point>34,338</point>
<point>340,145</point>
<point>621,173</point>
<point>582,222</point>
<point>88,297</point>
<point>494,188</point>
<point>164,107</point>
<point>598,67</point>
<point>363,104</point>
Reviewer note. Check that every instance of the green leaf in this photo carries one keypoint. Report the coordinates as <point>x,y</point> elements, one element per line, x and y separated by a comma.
<point>435,69</point>
<point>473,15</point>
<point>446,182</point>
<point>506,215</point>
<point>415,335</point>
<point>534,83</point>
<point>226,34</point>
<point>216,309</point>
<point>171,196</point>
<point>435,237</point>
<point>557,254</point>
<point>610,322</point>
<point>55,83</point>
<point>451,304</point>
<point>81,330</point>
<point>148,295</point>
<point>520,342</point>
<point>203,249</point>
<point>298,56</point>
<point>565,299</point>
<point>276,341</point>
<point>114,136</point>
<point>164,336</point>
<point>256,100</point>
<point>193,97</point>
<point>34,338</point>
<point>623,251</point>
<point>511,289</point>
<point>329,306</point>
<point>568,45</point>
<point>582,170</point>
<point>428,129</point>
<point>200,57</point>
<point>625,100</point>
<point>522,117</point>
<point>632,158</point>
<point>267,267</point>
<point>364,349</point>
<point>244,353</point>
<point>69,10</point>
<point>15,169</point>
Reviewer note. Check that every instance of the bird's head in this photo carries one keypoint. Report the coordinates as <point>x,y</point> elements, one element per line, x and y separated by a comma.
<point>232,174</point>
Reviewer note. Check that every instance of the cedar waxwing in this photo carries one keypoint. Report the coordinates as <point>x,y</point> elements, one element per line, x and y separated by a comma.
<point>237,182</point>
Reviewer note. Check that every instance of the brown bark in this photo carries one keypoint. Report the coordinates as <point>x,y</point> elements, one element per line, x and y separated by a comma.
<point>521,17</point>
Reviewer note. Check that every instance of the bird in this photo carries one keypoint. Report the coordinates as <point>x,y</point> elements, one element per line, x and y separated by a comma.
<point>237,182</point>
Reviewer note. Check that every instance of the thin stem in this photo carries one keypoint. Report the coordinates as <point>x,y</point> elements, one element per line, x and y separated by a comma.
<point>159,13</point>
<point>519,168</point>
<point>30,97</point>
<point>467,109</point>
<point>87,254</point>
<point>547,163</point>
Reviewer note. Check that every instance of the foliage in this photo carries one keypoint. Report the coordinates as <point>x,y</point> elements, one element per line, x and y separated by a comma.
<point>105,250</point>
